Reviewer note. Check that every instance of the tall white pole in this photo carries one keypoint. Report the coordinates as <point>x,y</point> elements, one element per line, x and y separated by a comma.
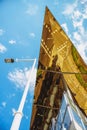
<point>18,115</point>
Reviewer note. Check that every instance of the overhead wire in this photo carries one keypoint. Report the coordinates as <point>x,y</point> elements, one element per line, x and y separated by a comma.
<point>62,72</point>
<point>58,72</point>
<point>44,106</point>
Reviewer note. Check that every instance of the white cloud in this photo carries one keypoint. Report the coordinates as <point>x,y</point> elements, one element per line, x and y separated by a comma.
<point>1,32</point>
<point>77,18</point>
<point>20,78</point>
<point>69,9</point>
<point>72,11</point>
<point>32,34</point>
<point>77,13</point>
<point>12,41</point>
<point>64,25</point>
<point>80,40</point>
<point>32,9</point>
<point>13,111</point>
<point>81,48</point>
<point>77,24</point>
<point>4,104</point>
<point>83,1</point>
<point>2,48</point>
<point>85,11</point>
<point>77,36</point>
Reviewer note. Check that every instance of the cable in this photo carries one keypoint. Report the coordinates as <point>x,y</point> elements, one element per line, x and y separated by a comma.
<point>48,107</point>
<point>60,72</point>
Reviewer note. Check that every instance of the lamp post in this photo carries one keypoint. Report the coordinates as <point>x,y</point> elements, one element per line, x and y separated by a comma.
<point>11,60</point>
<point>19,113</point>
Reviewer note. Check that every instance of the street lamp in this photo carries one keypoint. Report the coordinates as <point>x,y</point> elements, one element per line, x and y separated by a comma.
<point>9,60</point>
<point>19,113</point>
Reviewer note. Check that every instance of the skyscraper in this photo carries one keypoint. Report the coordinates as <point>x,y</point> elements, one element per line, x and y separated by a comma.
<point>60,69</point>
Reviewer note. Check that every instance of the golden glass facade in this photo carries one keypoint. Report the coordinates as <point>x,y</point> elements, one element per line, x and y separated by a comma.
<point>57,54</point>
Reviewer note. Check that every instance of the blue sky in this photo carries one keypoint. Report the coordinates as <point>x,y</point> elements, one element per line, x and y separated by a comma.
<point>20,35</point>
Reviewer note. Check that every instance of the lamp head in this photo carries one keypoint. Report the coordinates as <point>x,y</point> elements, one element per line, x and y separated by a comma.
<point>9,60</point>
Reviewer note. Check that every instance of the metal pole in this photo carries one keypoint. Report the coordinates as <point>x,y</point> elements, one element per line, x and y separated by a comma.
<point>24,60</point>
<point>18,115</point>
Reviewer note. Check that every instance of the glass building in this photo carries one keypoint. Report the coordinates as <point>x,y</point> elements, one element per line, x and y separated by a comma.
<point>60,66</point>
<point>69,116</point>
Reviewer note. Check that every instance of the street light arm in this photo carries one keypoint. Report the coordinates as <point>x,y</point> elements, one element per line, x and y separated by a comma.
<point>11,60</point>
<point>24,60</point>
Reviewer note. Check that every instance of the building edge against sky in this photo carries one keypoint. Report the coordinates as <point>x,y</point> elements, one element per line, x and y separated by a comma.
<point>57,54</point>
